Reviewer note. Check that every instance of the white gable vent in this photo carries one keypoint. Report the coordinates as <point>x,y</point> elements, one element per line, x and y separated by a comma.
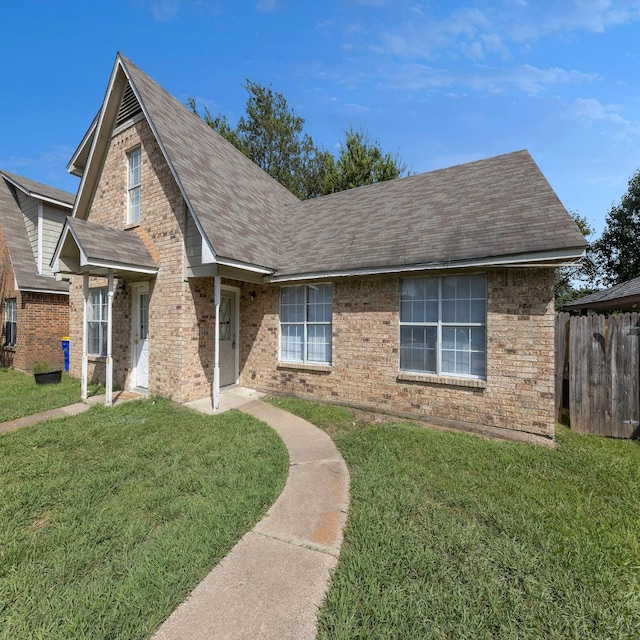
<point>129,107</point>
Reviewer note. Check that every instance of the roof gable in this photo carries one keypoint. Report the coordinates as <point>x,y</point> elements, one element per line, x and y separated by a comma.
<point>235,205</point>
<point>501,207</point>
<point>12,219</point>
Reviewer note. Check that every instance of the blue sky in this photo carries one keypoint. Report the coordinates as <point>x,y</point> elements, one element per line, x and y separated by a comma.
<point>440,82</point>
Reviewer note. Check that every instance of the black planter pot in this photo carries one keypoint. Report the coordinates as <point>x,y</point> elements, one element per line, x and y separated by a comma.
<point>51,377</point>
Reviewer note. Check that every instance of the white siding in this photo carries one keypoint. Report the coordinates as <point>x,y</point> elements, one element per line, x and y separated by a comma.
<point>29,208</point>
<point>52,222</point>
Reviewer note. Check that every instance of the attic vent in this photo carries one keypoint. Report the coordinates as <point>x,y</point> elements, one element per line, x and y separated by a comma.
<point>129,106</point>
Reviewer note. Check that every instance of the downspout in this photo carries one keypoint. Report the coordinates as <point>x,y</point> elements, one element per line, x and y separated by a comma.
<point>216,358</point>
<point>85,334</point>
<point>109,390</point>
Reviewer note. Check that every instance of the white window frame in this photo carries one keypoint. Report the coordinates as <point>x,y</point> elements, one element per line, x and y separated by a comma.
<point>10,317</point>
<point>97,314</point>
<point>440,325</point>
<point>305,324</point>
<point>134,182</point>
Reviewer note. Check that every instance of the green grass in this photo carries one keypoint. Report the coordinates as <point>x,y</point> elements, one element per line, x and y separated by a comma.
<point>455,536</point>
<point>21,396</point>
<point>108,519</point>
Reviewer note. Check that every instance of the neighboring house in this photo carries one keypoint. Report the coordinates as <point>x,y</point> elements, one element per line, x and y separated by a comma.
<point>429,297</point>
<point>621,297</point>
<point>34,306</point>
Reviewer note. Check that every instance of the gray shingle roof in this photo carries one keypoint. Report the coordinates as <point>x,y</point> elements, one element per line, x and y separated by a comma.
<point>238,205</point>
<point>22,259</point>
<point>102,244</point>
<point>621,296</point>
<point>491,208</point>
<point>39,190</point>
<point>488,209</point>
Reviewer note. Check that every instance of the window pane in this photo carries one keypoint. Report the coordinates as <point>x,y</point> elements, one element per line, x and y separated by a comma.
<point>448,311</point>
<point>462,311</point>
<point>449,288</point>
<point>319,343</point>
<point>478,311</point>
<point>320,303</point>
<point>463,287</point>
<point>418,349</point>
<point>448,361</point>
<point>478,364</point>
<point>478,339</point>
<point>292,304</point>
<point>292,342</point>
<point>462,362</point>
<point>478,287</point>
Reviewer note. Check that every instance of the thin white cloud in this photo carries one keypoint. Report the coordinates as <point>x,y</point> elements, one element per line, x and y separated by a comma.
<point>165,10</point>
<point>266,6</point>
<point>592,110</point>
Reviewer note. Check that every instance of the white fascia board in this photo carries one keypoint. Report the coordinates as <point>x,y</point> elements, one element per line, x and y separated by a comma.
<point>244,266</point>
<point>104,264</point>
<point>72,168</point>
<point>562,257</point>
<point>53,292</point>
<point>53,263</point>
<point>99,142</point>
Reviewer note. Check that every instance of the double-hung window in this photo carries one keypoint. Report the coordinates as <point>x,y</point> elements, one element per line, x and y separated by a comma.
<point>134,159</point>
<point>10,322</point>
<point>305,323</point>
<point>443,325</point>
<point>97,321</point>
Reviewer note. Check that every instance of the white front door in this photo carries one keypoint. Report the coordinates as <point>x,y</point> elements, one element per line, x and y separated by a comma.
<point>141,336</point>
<point>227,321</point>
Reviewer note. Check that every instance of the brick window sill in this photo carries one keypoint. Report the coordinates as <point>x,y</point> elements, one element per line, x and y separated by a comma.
<point>7,347</point>
<point>305,366</point>
<point>450,381</point>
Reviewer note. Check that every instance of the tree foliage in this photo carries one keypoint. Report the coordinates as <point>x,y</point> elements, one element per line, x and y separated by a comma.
<point>272,135</point>
<point>614,258</point>
<point>574,282</point>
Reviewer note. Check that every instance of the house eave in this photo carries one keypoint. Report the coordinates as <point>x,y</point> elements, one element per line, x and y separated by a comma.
<point>36,195</point>
<point>555,258</point>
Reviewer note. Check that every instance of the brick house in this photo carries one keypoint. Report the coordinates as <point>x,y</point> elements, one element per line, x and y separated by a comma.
<point>429,297</point>
<point>34,306</point>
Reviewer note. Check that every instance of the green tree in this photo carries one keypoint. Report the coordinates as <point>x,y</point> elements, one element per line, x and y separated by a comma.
<point>574,282</point>
<point>615,256</point>
<point>272,135</point>
<point>361,162</point>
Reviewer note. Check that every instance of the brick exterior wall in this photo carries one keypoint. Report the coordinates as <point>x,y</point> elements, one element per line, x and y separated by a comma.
<point>518,393</point>
<point>42,320</point>
<point>176,351</point>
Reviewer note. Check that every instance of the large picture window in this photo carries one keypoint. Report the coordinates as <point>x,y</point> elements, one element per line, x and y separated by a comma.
<point>10,322</point>
<point>97,322</point>
<point>134,181</point>
<point>305,323</point>
<point>443,325</point>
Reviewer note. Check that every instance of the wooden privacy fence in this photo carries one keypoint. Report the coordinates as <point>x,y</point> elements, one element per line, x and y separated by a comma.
<point>598,366</point>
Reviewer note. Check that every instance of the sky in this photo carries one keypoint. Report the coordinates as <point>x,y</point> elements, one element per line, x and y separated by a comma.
<point>440,82</point>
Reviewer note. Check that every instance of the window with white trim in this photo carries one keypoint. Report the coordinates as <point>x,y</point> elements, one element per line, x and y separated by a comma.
<point>97,321</point>
<point>10,322</point>
<point>134,180</point>
<point>443,325</point>
<point>306,323</point>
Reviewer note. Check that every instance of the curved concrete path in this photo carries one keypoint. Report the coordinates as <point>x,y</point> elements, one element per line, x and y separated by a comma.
<point>273,581</point>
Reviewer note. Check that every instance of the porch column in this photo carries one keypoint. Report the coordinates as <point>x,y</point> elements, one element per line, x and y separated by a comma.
<point>109,382</point>
<point>85,335</point>
<point>215,396</point>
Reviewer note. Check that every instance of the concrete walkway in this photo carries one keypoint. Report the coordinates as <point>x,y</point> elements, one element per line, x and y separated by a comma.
<point>273,581</point>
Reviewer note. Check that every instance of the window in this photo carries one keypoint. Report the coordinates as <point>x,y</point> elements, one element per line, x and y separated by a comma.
<point>97,322</point>
<point>133,185</point>
<point>305,323</point>
<point>443,326</point>
<point>11,322</point>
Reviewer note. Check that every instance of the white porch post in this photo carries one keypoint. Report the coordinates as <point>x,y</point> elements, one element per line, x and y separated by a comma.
<point>216,359</point>
<point>109,382</point>
<point>85,335</point>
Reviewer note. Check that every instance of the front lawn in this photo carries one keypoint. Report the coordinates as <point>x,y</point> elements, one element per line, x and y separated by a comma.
<point>108,519</point>
<point>454,536</point>
<point>21,396</point>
